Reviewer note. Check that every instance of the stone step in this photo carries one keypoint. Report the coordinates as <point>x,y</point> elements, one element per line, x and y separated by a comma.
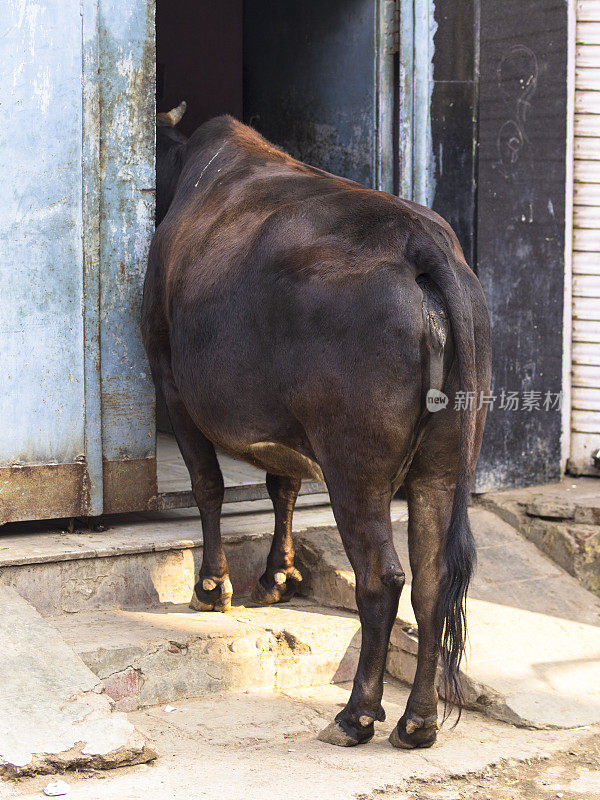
<point>163,655</point>
<point>53,712</point>
<point>534,632</point>
<point>562,519</point>
<point>143,560</point>
<point>535,635</point>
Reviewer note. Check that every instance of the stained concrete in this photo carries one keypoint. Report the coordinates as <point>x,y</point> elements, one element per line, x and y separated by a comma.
<point>535,648</point>
<point>161,656</point>
<point>562,519</point>
<point>142,560</point>
<point>534,632</point>
<point>534,655</point>
<point>40,542</point>
<point>52,710</point>
<point>262,744</point>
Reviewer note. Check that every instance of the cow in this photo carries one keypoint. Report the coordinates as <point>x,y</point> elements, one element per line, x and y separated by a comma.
<point>316,328</point>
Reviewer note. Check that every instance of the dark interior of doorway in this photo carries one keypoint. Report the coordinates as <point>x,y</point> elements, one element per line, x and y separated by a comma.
<point>199,60</point>
<point>303,74</point>
<point>306,75</point>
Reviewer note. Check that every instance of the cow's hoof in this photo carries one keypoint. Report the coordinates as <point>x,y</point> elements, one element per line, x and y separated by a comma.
<point>414,731</point>
<point>346,730</point>
<point>212,594</point>
<point>335,734</point>
<point>279,588</point>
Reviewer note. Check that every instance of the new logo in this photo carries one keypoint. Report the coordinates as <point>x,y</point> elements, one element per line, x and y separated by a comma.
<point>436,400</point>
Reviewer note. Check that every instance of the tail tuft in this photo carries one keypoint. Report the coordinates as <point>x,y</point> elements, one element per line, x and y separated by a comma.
<point>459,562</point>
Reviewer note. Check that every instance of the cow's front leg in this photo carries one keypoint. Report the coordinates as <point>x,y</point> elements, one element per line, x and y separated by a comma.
<point>213,590</point>
<point>281,579</point>
<point>364,524</point>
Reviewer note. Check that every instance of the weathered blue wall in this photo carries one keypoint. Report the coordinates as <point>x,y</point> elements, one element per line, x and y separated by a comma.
<point>77,125</point>
<point>41,288</point>
<point>127,131</point>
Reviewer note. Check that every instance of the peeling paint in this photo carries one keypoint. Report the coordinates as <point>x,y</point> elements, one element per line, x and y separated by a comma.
<point>417,156</point>
<point>127,129</point>
<point>424,157</point>
<point>40,234</point>
<point>77,133</point>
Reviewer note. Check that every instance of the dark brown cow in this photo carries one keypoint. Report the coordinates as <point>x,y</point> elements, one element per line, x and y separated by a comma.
<point>298,321</point>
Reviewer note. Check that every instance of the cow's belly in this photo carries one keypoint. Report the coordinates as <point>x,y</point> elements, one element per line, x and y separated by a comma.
<point>281,460</point>
<point>246,418</point>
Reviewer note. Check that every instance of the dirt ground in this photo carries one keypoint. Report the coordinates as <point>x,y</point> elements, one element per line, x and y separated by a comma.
<point>240,746</point>
<point>574,775</point>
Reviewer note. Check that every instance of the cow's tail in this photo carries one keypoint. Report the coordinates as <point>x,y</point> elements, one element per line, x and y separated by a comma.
<point>459,554</point>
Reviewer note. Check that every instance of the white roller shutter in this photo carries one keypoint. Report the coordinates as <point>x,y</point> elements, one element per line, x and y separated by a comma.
<point>585,393</point>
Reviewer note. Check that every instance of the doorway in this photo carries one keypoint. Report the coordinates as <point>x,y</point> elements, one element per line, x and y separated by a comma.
<point>317,79</point>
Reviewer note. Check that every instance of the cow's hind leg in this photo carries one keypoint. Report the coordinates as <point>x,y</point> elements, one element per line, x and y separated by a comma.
<point>362,514</point>
<point>442,556</point>
<point>213,591</point>
<point>429,508</point>
<point>280,580</point>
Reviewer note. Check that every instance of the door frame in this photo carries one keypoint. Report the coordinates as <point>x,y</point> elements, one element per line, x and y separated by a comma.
<point>416,29</point>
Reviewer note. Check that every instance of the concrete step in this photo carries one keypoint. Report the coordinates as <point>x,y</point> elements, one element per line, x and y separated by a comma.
<point>562,519</point>
<point>163,655</point>
<point>142,560</point>
<point>53,712</point>
<point>534,656</point>
<point>535,635</point>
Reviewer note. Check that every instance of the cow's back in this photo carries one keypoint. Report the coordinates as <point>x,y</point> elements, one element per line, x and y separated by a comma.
<point>281,284</point>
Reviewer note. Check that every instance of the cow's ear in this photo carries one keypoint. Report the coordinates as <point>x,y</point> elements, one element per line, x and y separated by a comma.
<point>173,116</point>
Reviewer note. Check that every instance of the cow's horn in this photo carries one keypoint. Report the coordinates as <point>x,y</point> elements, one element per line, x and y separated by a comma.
<point>175,114</point>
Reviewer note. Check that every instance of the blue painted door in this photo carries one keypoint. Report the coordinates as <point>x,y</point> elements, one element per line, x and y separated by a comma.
<point>76,146</point>
<point>126,214</point>
<point>77,131</point>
